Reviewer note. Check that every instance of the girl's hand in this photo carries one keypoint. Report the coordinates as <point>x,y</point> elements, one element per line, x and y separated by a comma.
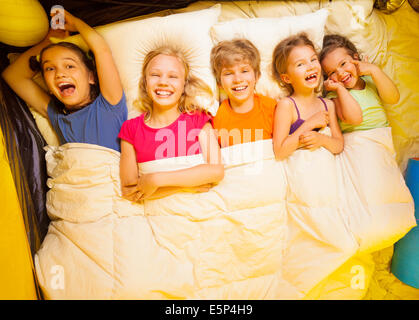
<point>131,193</point>
<point>331,85</point>
<point>364,68</point>
<point>311,140</point>
<point>318,120</point>
<point>146,186</point>
<point>70,21</point>
<point>57,33</point>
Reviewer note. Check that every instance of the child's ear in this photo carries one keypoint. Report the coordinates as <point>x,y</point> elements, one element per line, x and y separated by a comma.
<point>356,56</point>
<point>91,78</point>
<point>285,78</point>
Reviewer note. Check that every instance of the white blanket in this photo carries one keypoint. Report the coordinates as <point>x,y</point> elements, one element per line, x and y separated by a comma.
<point>269,230</point>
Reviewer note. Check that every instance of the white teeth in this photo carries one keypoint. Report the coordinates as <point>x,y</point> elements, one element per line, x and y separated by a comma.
<point>163,93</point>
<point>63,84</point>
<point>312,76</point>
<point>239,88</point>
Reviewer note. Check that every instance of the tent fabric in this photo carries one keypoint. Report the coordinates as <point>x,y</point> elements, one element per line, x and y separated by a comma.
<point>16,266</point>
<point>24,145</point>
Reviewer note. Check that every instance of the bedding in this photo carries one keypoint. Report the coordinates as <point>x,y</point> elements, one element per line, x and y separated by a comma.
<point>259,234</point>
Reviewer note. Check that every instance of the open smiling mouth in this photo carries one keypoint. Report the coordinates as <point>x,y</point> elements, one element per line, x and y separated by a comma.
<point>163,93</point>
<point>66,89</point>
<point>311,77</point>
<point>346,79</point>
<point>239,89</point>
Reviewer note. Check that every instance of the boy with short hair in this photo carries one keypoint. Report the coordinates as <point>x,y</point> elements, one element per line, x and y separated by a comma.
<point>245,116</point>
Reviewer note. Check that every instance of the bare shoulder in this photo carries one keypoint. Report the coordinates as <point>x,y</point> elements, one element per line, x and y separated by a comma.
<point>285,104</point>
<point>330,104</point>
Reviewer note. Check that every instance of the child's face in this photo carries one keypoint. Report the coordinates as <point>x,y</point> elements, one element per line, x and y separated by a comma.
<point>165,78</point>
<point>67,77</point>
<point>338,67</point>
<point>303,69</point>
<point>238,81</point>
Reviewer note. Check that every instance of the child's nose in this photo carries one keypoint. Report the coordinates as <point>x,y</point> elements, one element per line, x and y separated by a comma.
<point>163,80</point>
<point>60,72</point>
<point>340,72</point>
<point>237,77</point>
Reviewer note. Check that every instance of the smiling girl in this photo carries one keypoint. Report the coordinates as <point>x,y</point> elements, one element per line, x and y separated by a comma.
<point>172,125</point>
<point>357,87</point>
<point>82,104</point>
<point>299,116</point>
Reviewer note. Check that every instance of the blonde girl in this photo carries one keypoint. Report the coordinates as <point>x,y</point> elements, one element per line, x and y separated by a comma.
<point>172,125</point>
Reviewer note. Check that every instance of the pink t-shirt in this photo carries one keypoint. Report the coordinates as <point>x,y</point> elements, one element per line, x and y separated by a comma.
<point>177,139</point>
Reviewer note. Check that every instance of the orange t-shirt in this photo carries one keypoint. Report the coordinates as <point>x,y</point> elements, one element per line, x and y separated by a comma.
<point>234,128</point>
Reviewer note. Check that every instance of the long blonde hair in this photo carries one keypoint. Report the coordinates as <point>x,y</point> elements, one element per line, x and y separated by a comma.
<point>193,85</point>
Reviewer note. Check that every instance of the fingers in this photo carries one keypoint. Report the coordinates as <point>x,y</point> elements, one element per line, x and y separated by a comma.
<point>138,196</point>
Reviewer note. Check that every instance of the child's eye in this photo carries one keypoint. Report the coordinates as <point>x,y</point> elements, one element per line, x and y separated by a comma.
<point>173,77</point>
<point>48,69</point>
<point>343,63</point>
<point>314,59</point>
<point>300,64</point>
<point>70,66</point>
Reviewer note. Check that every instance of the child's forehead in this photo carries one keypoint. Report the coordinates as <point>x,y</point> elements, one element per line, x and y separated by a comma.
<point>164,61</point>
<point>336,55</point>
<point>60,53</point>
<point>235,60</point>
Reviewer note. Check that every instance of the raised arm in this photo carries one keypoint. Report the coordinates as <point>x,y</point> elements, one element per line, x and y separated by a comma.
<point>386,88</point>
<point>19,75</point>
<point>109,80</point>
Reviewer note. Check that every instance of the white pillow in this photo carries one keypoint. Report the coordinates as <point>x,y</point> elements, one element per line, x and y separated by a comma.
<point>131,40</point>
<point>265,34</point>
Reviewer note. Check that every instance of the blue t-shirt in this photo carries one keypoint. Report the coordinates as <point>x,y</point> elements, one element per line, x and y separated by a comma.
<point>97,123</point>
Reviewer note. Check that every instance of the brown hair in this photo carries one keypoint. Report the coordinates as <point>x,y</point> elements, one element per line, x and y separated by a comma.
<point>86,58</point>
<point>228,52</point>
<point>334,41</point>
<point>193,85</point>
<point>281,54</point>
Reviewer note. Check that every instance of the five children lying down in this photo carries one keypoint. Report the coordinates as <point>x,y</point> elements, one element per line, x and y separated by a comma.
<point>85,103</point>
